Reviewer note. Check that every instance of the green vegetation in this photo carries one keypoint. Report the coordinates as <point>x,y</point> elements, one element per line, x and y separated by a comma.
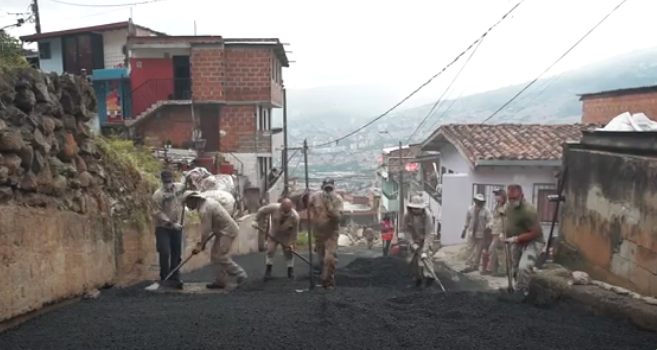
<point>137,157</point>
<point>11,52</point>
<point>302,239</point>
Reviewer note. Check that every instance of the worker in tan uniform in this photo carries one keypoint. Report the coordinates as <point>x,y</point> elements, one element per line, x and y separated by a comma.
<point>368,234</point>
<point>167,214</point>
<point>497,260</point>
<point>326,208</point>
<point>418,229</point>
<point>478,224</point>
<point>525,235</point>
<point>284,228</point>
<point>215,219</point>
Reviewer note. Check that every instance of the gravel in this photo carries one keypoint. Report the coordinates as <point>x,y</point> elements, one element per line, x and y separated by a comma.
<point>372,308</point>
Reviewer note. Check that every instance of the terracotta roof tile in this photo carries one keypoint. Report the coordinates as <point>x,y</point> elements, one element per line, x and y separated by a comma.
<point>511,141</point>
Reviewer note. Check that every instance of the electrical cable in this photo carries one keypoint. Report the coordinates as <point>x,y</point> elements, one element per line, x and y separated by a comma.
<point>555,62</point>
<point>106,5</point>
<point>440,100</point>
<point>85,16</point>
<point>426,83</point>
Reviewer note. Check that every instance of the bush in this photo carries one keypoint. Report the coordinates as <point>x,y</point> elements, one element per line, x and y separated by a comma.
<point>11,52</point>
<point>138,157</point>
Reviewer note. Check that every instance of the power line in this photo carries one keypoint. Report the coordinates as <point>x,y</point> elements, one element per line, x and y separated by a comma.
<point>555,62</point>
<point>85,16</point>
<point>440,100</point>
<point>426,83</point>
<point>106,5</point>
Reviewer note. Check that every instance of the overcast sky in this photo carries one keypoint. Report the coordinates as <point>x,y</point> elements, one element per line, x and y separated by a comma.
<point>395,43</point>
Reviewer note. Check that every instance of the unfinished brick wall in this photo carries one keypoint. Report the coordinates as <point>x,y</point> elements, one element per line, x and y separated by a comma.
<point>172,123</point>
<point>601,110</point>
<point>208,73</point>
<point>239,122</point>
<point>248,74</point>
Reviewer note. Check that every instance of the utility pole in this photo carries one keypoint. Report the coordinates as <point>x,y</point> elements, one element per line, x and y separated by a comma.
<point>400,192</point>
<point>285,160</point>
<point>308,217</point>
<point>37,17</point>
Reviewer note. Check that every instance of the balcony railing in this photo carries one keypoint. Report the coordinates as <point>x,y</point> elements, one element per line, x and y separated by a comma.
<point>154,90</point>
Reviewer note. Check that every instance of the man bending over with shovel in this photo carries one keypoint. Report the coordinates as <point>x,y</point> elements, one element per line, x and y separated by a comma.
<point>283,230</point>
<point>217,223</point>
<point>418,228</point>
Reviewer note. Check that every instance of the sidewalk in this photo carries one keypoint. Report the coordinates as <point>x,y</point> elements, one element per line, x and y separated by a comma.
<point>550,287</point>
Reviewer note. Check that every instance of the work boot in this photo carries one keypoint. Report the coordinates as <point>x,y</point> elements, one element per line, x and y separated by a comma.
<point>268,272</point>
<point>215,285</point>
<point>178,285</point>
<point>429,282</point>
<point>290,272</point>
<point>418,283</point>
<point>241,279</point>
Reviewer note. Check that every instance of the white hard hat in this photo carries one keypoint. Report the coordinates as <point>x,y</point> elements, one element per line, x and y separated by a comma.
<point>416,202</point>
<point>479,197</point>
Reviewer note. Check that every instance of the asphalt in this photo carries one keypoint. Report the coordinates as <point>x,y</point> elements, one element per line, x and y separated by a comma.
<point>371,308</point>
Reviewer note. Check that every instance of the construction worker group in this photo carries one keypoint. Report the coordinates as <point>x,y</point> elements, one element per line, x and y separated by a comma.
<point>513,221</point>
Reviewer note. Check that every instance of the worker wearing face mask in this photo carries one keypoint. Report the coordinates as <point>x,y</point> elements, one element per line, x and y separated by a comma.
<point>326,208</point>
<point>167,214</point>
<point>418,227</point>
<point>497,261</point>
<point>478,223</point>
<point>284,228</point>
<point>524,233</point>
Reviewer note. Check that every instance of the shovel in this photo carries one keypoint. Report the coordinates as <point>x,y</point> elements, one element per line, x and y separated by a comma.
<point>433,274</point>
<point>507,256</point>
<point>286,247</point>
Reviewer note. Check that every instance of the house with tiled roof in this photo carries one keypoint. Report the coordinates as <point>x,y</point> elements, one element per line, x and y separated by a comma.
<point>477,159</point>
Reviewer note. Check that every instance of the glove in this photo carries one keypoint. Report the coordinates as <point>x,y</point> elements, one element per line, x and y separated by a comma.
<point>414,247</point>
<point>511,240</point>
<point>197,249</point>
<point>424,256</point>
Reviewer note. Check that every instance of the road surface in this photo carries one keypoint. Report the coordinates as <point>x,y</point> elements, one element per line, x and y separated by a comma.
<point>372,308</point>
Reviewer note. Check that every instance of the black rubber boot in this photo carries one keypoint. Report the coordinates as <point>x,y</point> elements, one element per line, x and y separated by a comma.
<point>268,272</point>
<point>290,272</point>
<point>418,283</point>
<point>429,282</point>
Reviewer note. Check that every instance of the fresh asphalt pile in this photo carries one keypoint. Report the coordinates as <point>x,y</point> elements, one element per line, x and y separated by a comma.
<point>372,308</point>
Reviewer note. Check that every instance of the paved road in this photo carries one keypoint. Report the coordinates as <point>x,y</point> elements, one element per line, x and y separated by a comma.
<point>372,308</point>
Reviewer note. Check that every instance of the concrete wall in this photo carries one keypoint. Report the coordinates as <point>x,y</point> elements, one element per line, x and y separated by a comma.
<point>56,61</point>
<point>47,256</point>
<point>609,218</point>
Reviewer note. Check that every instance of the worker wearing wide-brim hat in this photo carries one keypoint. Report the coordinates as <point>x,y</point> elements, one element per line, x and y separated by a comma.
<point>478,222</point>
<point>216,220</point>
<point>418,229</point>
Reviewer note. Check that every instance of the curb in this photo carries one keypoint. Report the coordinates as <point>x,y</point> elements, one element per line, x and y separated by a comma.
<point>551,287</point>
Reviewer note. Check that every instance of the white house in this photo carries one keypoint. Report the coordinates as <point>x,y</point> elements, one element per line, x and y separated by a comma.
<point>89,48</point>
<point>481,158</point>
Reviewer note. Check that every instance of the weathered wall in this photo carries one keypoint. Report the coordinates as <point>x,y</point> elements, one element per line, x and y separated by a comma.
<point>609,218</point>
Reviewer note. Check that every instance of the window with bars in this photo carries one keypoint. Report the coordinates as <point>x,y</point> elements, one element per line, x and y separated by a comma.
<point>544,207</point>
<point>487,191</point>
<point>264,119</point>
<point>264,166</point>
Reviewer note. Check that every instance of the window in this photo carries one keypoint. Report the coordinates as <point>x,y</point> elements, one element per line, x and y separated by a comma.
<point>44,51</point>
<point>264,166</point>
<point>264,119</point>
<point>544,207</point>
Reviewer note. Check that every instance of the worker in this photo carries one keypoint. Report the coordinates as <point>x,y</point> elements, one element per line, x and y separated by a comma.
<point>524,234</point>
<point>167,215</point>
<point>418,228</point>
<point>215,219</point>
<point>326,208</point>
<point>284,228</point>
<point>497,258</point>
<point>387,230</point>
<point>478,225</point>
<point>368,233</point>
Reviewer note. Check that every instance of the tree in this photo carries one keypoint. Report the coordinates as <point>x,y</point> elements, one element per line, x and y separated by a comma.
<point>11,51</point>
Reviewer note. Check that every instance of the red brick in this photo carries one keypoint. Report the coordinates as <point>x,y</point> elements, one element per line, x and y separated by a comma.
<point>604,109</point>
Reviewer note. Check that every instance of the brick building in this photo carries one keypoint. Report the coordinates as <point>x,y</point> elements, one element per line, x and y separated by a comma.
<point>602,107</point>
<point>180,84</point>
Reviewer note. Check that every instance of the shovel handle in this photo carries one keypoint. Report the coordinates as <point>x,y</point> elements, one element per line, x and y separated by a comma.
<point>286,247</point>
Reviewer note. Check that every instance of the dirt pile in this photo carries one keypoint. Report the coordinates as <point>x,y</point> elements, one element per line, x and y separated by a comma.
<point>49,156</point>
<point>381,317</point>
